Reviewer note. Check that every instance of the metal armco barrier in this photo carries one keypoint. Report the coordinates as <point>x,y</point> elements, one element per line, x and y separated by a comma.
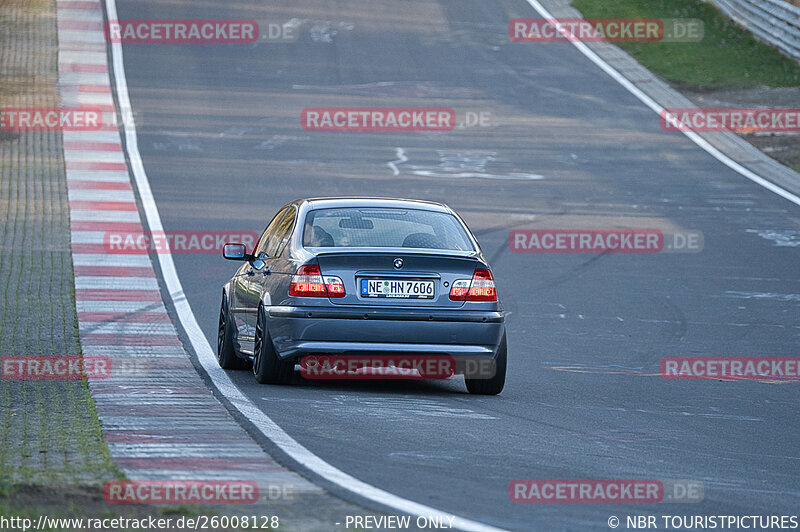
<point>774,21</point>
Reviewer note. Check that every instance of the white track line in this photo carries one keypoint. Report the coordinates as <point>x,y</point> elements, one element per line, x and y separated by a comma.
<point>208,360</point>
<point>652,104</point>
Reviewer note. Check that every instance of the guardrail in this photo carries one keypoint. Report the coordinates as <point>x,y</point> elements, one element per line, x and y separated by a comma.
<point>774,21</point>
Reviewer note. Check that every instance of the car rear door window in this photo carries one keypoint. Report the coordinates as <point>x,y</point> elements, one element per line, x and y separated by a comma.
<point>282,233</point>
<point>269,233</point>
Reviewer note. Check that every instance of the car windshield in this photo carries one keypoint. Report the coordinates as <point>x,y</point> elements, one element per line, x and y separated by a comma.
<point>380,228</point>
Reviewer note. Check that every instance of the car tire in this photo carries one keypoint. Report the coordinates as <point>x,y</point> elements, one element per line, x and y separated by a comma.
<point>267,367</point>
<point>494,385</point>
<point>226,352</point>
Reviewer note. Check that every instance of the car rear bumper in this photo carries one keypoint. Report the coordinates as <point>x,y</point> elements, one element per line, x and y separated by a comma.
<point>463,333</point>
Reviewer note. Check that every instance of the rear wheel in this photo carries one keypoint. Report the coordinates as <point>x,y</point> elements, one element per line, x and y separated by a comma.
<point>267,367</point>
<point>494,385</point>
<point>226,352</point>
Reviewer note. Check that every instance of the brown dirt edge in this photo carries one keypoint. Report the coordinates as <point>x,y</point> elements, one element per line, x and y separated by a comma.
<point>783,147</point>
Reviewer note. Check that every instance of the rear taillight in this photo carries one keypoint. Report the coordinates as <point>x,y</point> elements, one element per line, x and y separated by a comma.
<point>480,288</point>
<point>308,282</point>
<point>334,285</point>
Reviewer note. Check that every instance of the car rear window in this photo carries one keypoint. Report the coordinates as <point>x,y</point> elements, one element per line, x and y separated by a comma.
<point>378,228</point>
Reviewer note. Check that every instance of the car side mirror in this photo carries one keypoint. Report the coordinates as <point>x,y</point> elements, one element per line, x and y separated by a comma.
<point>235,252</point>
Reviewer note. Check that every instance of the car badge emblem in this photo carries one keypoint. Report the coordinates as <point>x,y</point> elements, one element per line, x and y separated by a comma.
<point>398,263</point>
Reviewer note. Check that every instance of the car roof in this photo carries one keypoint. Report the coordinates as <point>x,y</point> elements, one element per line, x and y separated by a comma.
<point>365,201</point>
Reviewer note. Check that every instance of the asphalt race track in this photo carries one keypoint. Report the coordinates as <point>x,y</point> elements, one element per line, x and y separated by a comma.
<point>565,147</point>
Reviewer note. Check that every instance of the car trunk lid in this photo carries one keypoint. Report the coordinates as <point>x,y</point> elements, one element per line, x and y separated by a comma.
<point>398,279</point>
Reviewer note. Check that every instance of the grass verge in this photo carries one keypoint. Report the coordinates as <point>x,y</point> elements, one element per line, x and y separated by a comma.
<point>728,57</point>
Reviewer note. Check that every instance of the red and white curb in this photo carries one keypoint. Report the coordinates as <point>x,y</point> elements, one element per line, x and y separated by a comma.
<point>159,419</point>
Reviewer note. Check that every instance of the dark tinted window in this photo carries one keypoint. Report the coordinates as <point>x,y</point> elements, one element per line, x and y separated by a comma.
<point>282,234</point>
<point>269,233</point>
<point>365,227</point>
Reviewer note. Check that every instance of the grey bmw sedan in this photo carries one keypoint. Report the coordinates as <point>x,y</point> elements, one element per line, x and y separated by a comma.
<point>354,277</point>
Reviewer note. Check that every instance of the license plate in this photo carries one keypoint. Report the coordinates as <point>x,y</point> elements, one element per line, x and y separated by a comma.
<point>397,288</point>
